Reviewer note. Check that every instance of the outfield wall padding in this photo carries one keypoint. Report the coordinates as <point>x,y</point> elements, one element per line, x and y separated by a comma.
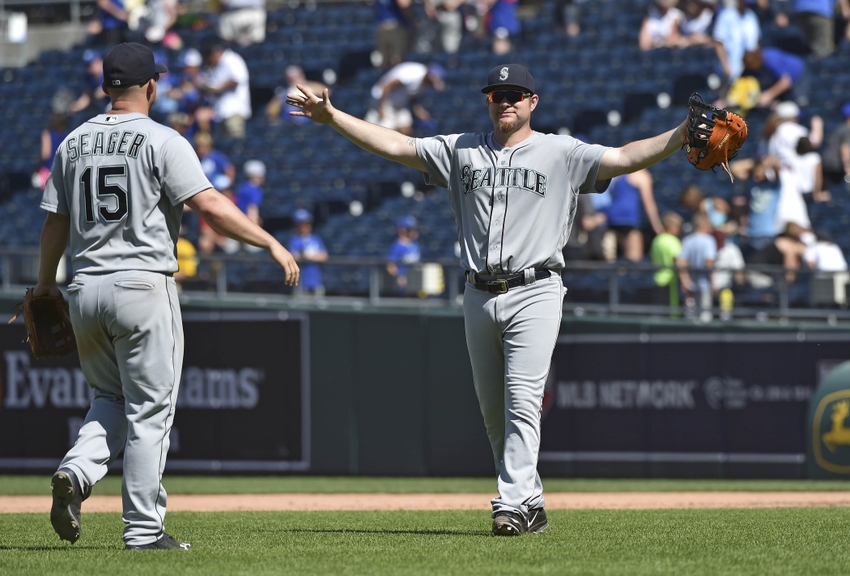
<point>389,392</point>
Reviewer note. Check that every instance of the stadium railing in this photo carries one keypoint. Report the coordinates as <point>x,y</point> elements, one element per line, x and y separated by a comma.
<point>593,288</point>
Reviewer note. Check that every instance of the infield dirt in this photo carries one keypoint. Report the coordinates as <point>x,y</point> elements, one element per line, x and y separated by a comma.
<point>361,502</point>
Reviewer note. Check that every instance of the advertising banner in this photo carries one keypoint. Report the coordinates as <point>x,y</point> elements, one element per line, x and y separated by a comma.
<point>243,404</point>
<point>685,397</point>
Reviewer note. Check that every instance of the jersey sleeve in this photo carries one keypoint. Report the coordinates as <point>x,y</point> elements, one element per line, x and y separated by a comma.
<point>584,160</point>
<point>436,153</point>
<point>180,171</point>
<point>54,199</point>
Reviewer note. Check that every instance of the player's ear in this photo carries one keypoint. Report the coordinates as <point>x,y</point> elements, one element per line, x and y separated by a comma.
<point>534,100</point>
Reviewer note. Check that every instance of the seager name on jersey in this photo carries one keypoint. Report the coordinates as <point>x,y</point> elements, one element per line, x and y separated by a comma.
<point>115,143</point>
<point>523,178</point>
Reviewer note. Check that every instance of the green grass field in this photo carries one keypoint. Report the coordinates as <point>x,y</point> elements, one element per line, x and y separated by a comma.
<point>634,542</point>
<point>767,541</point>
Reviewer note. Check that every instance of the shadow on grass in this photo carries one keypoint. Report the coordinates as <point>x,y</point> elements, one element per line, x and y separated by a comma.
<point>57,548</point>
<point>377,531</point>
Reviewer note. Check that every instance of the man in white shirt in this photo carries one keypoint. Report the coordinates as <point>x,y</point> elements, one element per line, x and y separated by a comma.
<point>736,30</point>
<point>394,95</point>
<point>226,82</point>
<point>825,255</point>
<point>243,21</point>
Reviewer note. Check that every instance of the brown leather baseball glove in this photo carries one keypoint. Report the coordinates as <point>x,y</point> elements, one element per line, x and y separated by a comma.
<point>714,135</point>
<point>48,324</point>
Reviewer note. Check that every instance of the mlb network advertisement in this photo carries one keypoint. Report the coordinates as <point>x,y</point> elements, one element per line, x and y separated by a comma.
<point>243,403</point>
<point>685,397</point>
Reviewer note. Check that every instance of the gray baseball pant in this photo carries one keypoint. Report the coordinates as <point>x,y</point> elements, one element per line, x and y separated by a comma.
<point>130,339</point>
<point>511,338</point>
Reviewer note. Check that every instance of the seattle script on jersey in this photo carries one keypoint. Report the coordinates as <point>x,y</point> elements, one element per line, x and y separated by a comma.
<point>522,178</point>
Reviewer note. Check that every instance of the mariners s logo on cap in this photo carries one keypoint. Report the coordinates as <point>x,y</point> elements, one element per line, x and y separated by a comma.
<point>509,77</point>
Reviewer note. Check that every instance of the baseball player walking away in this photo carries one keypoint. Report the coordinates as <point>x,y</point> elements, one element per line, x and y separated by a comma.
<point>514,193</point>
<point>117,189</point>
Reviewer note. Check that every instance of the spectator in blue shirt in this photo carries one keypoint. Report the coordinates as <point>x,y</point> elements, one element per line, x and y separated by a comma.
<point>781,75</point>
<point>93,100</point>
<point>113,22</point>
<point>503,24</point>
<point>183,88</point>
<point>164,104</point>
<point>405,250</point>
<point>699,250</point>
<point>308,249</point>
<point>762,201</point>
<point>249,196</point>
<point>213,162</point>
<point>815,18</point>
<point>395,20</point>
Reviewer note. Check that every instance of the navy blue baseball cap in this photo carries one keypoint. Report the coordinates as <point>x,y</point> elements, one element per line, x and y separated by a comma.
<point>130,64</point>
<point>507,76</point>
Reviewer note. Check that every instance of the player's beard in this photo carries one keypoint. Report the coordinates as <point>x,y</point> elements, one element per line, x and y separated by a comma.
<point>507,126</point>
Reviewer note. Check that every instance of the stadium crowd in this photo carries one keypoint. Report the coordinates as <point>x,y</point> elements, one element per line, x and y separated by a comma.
<point>207,96</point>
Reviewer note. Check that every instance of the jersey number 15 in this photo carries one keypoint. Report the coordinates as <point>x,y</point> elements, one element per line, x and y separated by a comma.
<point>104,189</point>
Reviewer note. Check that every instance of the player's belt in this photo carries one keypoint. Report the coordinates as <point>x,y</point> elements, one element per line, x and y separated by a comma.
<point>501,283</point>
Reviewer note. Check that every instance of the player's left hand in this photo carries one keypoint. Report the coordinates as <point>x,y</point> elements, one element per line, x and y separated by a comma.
<point>310,106</point>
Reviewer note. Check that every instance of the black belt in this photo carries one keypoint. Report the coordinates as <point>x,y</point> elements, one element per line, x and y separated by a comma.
<point>502,283</point>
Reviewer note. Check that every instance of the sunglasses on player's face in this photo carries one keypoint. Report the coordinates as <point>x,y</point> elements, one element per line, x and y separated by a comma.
<point>512,96</point>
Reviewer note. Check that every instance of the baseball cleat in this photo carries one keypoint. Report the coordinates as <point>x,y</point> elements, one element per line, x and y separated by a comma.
<point>537,521</point>
<point>67,499</point>
<point>508,524</point>
<point>164,542</point>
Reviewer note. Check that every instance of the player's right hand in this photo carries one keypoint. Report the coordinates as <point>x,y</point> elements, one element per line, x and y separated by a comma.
<point>310,106</point>
<point>285,260</point>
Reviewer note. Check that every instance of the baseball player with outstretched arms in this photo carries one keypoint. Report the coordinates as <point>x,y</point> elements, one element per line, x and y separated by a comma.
<point>514,195</point>
<point>117,190</point>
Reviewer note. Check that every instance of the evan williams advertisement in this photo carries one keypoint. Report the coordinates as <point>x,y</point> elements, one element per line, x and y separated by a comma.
<point>685,397</point>
<point>243,403</point>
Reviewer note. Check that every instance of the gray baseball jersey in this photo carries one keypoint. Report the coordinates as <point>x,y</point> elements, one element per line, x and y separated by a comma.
<point>122,179</point>
<point>503,198</point>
